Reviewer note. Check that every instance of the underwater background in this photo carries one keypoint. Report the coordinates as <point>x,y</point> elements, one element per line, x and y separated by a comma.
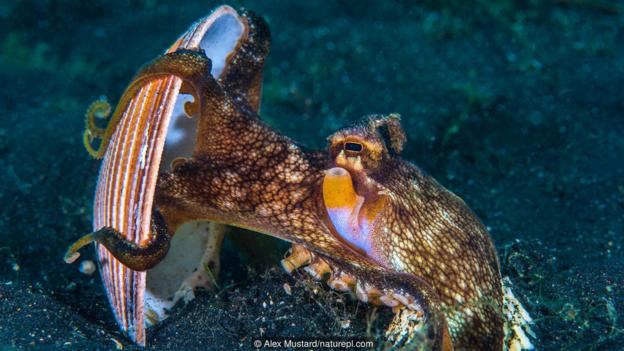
<point>516,106</point>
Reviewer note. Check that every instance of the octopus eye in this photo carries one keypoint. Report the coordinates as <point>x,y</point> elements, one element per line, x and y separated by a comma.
<point>355,147</point>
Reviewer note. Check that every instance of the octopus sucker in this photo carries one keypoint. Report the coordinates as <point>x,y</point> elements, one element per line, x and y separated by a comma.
<point>359,216</point>
<point>341,281</point>
<point>296,257</point>
<point>319,270</point>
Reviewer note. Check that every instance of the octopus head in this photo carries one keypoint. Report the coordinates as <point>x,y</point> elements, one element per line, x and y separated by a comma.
<point>365,146</point>
<point>353,199</point>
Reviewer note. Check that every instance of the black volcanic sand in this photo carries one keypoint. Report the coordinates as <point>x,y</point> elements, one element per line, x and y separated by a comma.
<point>516,106</point>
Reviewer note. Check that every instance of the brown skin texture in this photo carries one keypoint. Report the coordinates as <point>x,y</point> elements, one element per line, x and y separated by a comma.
<point>242,78</point>
<point>427,243</point>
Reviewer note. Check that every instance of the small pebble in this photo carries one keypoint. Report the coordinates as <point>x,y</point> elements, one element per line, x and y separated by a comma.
<point>87,267</point>
<point>287,289</point>
<point>71,286</point>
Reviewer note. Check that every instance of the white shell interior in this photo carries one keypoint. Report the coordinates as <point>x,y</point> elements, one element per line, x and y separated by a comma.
<point>176,276</point>
<point>219,41</point>
<point>164,280</point>
<point>518,332</point>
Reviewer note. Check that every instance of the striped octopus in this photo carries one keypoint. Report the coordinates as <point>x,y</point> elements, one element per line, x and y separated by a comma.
<point>358,216</point>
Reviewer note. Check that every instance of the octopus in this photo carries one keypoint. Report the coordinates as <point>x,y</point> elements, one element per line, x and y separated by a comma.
<point>359,217</point>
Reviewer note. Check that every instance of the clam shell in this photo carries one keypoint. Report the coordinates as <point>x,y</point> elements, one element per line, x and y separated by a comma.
<point>152,132</point>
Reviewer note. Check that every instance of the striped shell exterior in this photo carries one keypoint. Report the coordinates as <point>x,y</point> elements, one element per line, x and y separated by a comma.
<point>152,131</point>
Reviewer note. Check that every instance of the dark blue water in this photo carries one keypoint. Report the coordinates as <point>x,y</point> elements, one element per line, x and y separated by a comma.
<point>518,107</point>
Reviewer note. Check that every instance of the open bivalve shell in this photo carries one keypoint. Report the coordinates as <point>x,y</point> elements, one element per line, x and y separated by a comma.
<point>153,131</point>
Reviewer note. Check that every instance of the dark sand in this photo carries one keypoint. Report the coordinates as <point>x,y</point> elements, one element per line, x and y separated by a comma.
<point>517,108</point>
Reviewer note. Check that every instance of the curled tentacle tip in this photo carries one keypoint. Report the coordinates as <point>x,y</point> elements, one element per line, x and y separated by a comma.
<point>72,254</point>
<point>191,108</point>
<point>71,257</point>
<point>99,108</point>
